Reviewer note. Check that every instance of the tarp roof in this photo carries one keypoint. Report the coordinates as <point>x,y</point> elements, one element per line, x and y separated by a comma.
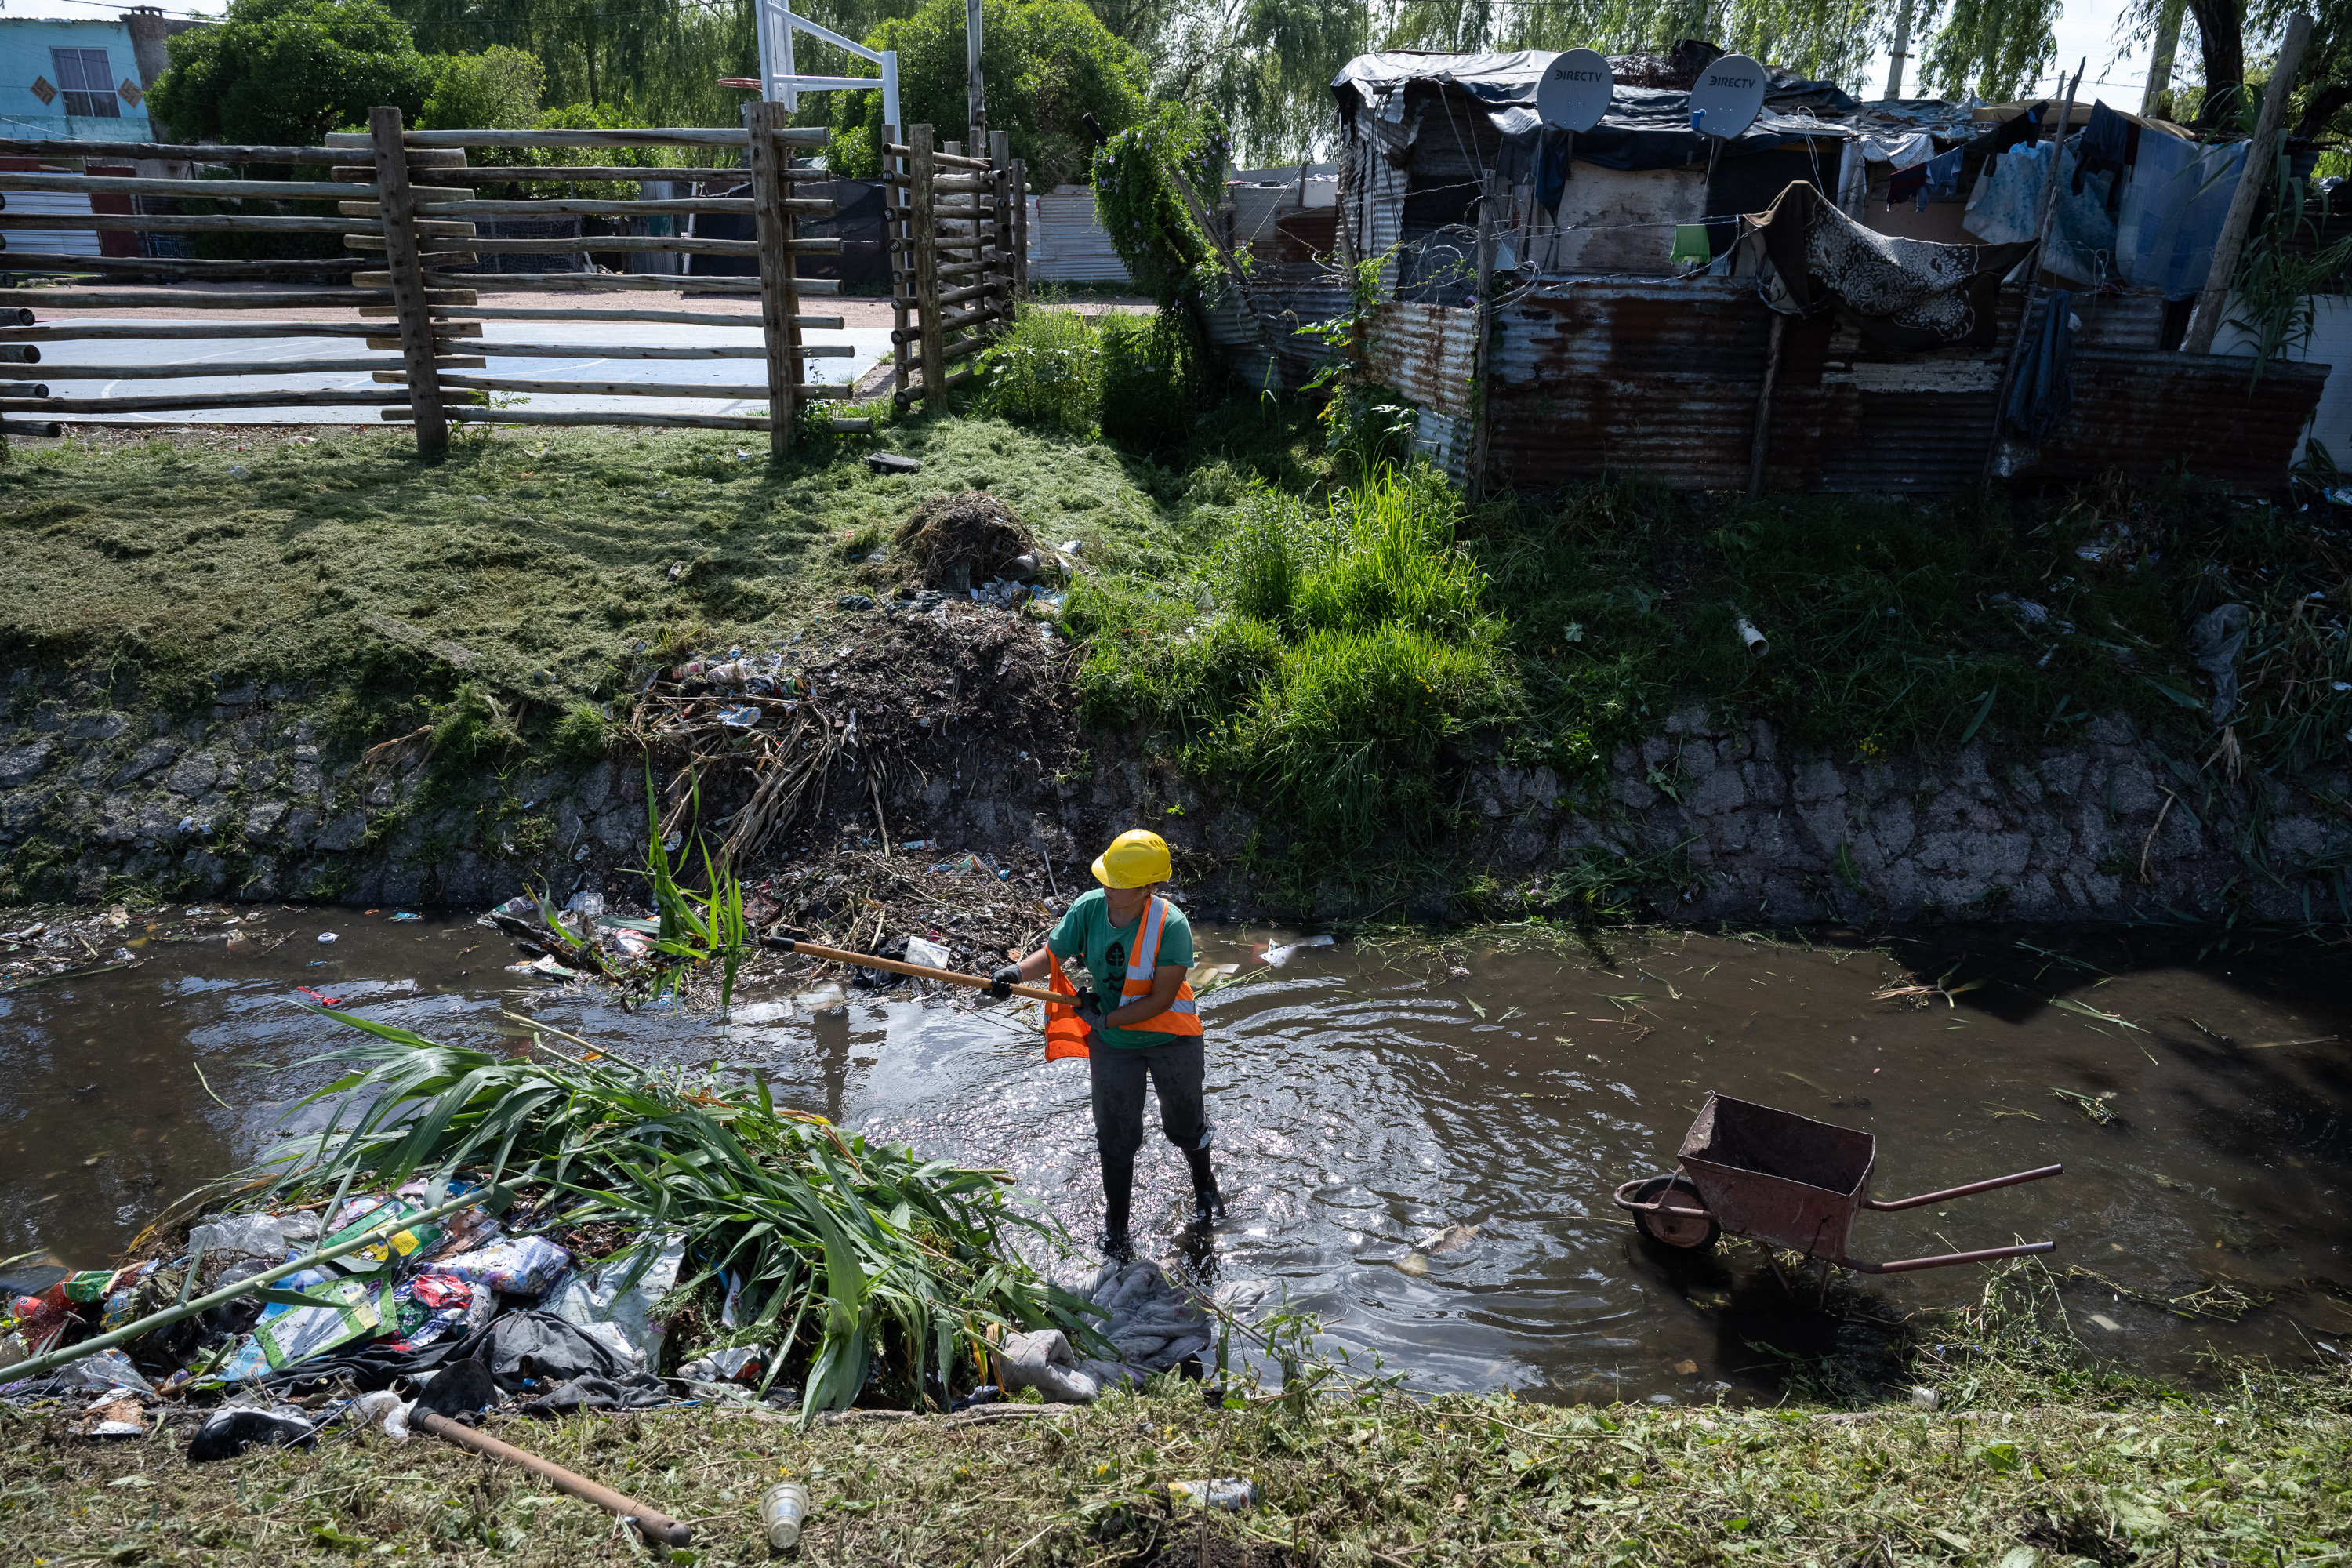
<point>1644,128</point>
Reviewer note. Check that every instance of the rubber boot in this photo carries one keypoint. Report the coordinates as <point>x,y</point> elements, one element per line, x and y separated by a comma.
<point>1208,1204</point>
<point>1118,1196</point>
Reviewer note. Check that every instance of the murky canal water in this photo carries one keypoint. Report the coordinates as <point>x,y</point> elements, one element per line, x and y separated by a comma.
<point>1366,1098</point>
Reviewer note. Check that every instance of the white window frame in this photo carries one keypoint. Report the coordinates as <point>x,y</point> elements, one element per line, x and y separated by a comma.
<point>102,96</point>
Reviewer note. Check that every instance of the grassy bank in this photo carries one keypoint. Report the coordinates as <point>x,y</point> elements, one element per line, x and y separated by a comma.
<point>179,564</point>
<point>2035,1459</point>
<point>1331,643</point>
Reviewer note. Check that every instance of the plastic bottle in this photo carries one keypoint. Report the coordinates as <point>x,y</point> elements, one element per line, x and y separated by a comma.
<point>1230,1494</point>
<point>783,1509</point>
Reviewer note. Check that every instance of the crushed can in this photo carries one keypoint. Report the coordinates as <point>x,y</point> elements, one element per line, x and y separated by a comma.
<point>784,1508</point>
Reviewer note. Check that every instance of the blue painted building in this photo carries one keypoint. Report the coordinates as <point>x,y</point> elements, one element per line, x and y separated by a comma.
<point>71,80</point>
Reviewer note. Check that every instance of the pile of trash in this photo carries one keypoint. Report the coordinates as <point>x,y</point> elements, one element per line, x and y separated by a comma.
<point>660,1241</point>
<point>445,1285</point>
<point>459,1312</point>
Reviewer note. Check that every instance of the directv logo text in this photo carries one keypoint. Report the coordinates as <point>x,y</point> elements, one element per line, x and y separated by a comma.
<point>1731,81</point>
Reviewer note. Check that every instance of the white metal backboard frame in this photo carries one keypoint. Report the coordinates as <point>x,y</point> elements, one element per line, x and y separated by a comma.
<point>780,80</point>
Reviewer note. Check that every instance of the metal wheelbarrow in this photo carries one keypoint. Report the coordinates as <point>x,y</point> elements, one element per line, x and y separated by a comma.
<point>1789,1181</point>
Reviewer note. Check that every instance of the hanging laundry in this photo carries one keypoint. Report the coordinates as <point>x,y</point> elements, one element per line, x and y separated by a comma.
<point>2044,388</point>
<point>1938,176</point>
<point>2009,211</point>
<point>1691,244</point>
<point>2108,144</point>
<point>2172,212</point>
<point>2022,132</point>
<point>1907,294</point>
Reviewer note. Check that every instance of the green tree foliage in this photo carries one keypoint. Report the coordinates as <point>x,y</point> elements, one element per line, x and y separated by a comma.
<point>1996,49</point>
<point>497,89</point>
<point>1048,64</point>
<point>286,72</point>
<point>660,59</point>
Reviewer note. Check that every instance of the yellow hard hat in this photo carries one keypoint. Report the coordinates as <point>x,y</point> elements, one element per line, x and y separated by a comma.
<point>1134,859</point>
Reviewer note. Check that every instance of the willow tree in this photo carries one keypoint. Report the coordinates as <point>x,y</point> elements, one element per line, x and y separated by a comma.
<point>655,59</point>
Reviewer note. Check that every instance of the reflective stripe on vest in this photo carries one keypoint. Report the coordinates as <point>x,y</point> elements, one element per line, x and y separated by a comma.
<point>1183,1014</point>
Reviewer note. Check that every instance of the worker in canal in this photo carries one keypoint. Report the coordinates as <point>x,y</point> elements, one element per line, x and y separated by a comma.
<point>1136,946</point>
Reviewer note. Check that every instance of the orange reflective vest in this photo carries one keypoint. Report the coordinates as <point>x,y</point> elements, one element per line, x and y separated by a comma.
<point>1066,1031</point>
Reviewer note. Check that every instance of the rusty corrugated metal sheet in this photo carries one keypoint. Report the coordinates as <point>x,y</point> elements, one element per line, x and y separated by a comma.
<point>1653,378</point>
<point>2148,412</point>
<point>1661,379</point>
<point>1424,351</point>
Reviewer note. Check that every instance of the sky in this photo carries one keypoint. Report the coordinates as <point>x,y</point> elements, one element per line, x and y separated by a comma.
<point>2086,27</point>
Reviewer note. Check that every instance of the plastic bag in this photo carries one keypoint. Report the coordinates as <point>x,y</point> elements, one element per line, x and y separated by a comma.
<point>516,1266</point>
<point>223,1241</point>
<point>594,1301</point>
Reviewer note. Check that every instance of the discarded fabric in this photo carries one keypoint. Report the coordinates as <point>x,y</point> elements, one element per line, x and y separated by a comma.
<point>228,1432</point>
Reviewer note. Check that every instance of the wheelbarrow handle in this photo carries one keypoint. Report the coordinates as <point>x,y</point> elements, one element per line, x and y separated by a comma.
<point>1967,1191</point>
<point>1945,1260</point>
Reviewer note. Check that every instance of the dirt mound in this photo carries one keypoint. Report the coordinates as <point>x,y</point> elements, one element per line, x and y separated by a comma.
<point>954,542</point>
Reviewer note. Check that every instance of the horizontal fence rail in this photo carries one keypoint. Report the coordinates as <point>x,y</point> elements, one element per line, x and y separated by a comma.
<point>414,211</point>
<point>422,230</point>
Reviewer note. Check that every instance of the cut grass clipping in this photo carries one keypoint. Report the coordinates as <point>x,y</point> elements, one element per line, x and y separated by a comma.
<point>2036,1460</point>
<point>849,1254</point>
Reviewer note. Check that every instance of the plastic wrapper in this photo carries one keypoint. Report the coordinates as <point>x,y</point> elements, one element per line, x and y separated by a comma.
<point>349,1308</point>
<point>360,1215</point>
<point>515,1266</point>
<point>743,1364</point>
<point>105,1371</point>
<point>430,1307</point>
<point>90,1285</point>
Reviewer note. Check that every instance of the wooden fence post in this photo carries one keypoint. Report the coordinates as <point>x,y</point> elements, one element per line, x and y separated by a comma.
<point>779,300</point>
<point>1490,206</point>
<point>925,257</point>
<point>897,238</point>
<point>407,274</point>
<point>999,173</point>
<point>2254,184</point>
<point>1020,231</point>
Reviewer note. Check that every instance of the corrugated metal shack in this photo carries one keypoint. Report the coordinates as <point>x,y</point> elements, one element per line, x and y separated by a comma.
<point>1625,345</point>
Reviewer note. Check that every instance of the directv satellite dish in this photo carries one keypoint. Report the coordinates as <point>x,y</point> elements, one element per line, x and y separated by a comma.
<point>1574,92</point>
<point>1727,96</point>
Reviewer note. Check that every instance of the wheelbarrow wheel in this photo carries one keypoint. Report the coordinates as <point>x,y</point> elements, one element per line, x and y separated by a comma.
<point>1668,1210</point>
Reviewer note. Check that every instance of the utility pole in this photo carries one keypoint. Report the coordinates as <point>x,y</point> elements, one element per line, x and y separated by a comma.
<point>975,92</point>
<point>1901,52</point>
<point>2155,103</point>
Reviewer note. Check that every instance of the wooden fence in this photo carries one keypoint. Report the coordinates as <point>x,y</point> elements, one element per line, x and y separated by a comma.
<point>958,229</point>
<point>405,201</point>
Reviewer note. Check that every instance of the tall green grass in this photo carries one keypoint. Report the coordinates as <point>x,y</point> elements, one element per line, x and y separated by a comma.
<point>1345,647</point>
<point>1047,372</point>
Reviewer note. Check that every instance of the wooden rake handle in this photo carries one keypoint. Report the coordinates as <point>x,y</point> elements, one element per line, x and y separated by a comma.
<point>655,1526</point>
<point>920,971</point>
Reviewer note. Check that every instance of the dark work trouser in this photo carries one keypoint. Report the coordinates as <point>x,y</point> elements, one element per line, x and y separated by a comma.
<point>1117,1074</point>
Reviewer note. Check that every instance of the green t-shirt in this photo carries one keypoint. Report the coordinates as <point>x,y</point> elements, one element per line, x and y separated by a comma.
<point>1086,934</point>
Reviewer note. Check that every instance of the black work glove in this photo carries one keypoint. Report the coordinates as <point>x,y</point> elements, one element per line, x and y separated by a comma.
<point>1001,982</point>
<point>1089,1005</point>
